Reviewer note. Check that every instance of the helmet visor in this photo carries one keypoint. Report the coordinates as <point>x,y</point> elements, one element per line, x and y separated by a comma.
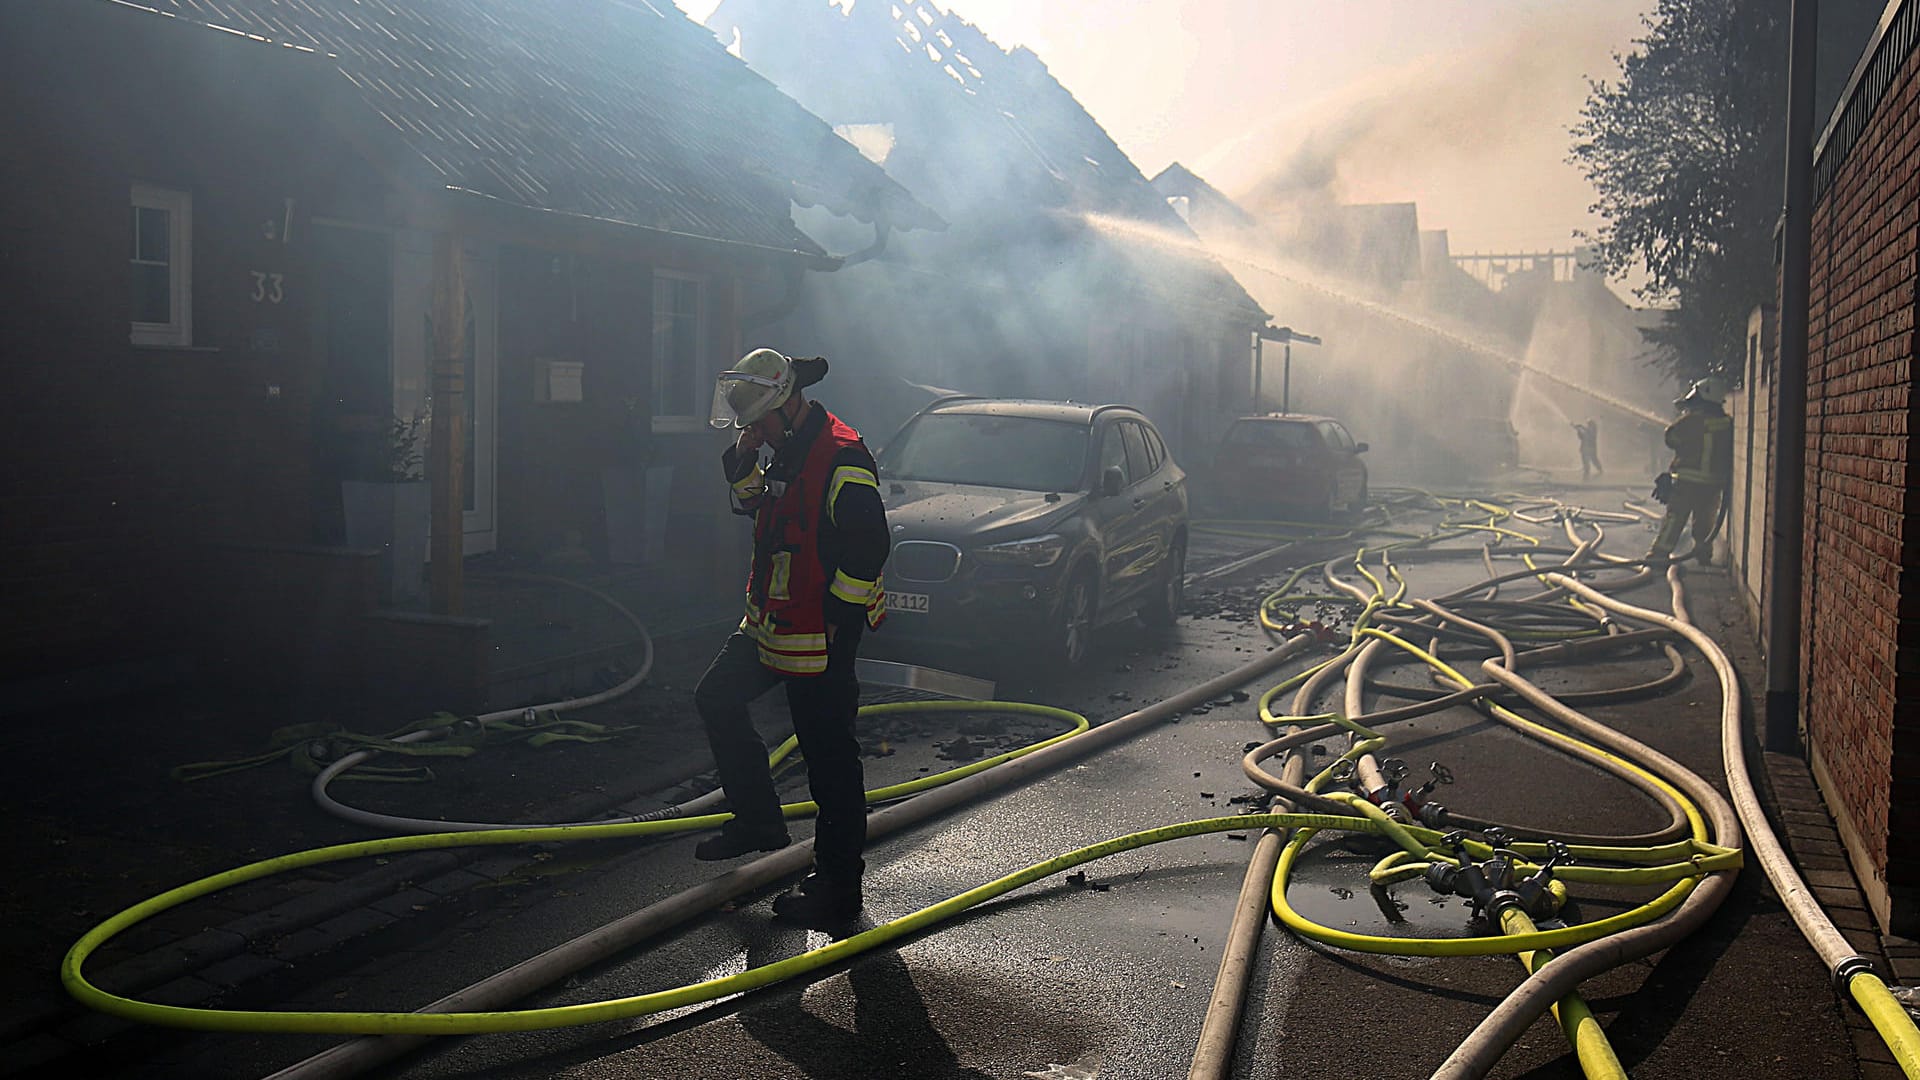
<point>740,399</point>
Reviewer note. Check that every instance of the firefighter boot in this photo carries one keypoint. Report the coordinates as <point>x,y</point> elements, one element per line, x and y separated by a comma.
<point>820,903</point>
<point>734,840</point>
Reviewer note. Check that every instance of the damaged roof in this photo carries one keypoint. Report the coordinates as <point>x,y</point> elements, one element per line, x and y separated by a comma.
<point>992,125</point>
<point>623,110</point>
<point>1204,200</point>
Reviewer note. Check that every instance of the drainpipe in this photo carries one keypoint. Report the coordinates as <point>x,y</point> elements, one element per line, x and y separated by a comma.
<point>1258,358</point>
<point>1790,384</point>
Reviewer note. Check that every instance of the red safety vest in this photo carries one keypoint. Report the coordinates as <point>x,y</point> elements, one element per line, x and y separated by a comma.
<point>787,588</point>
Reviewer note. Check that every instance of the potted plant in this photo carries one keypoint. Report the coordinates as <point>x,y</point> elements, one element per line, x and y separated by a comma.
<point>387,506</point>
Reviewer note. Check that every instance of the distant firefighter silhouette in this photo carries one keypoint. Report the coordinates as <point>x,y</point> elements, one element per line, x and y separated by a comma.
<point>1589,434</point>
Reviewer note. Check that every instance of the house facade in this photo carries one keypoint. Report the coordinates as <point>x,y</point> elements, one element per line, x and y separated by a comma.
<point>228,237</point>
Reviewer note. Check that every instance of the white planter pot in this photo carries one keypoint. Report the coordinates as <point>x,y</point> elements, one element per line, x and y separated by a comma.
<point>391,519</point>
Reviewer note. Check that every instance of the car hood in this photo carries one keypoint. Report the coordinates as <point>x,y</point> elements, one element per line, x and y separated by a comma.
<point>920,509</point>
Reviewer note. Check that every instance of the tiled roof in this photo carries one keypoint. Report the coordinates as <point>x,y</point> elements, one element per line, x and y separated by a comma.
<point>616,109</point>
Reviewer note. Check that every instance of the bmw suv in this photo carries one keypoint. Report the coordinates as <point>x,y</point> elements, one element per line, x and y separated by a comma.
<point>1029,523</point>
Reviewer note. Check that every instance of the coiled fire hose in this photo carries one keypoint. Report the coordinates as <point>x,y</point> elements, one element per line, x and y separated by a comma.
<point>1694,870</point>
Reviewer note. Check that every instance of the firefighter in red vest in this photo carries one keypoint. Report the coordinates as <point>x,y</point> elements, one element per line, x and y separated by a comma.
<point>1702,444</point>
<point>819,542</point>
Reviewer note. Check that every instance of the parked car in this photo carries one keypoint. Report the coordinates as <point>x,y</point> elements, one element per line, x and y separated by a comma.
<point>1029,523</point>
<point>1293,463</point>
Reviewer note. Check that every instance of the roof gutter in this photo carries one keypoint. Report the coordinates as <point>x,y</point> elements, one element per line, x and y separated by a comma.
<point>806,259</point>
<point>792,274</point>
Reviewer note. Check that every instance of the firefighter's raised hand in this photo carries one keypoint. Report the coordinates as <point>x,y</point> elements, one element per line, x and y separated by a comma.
<point>749,441</point>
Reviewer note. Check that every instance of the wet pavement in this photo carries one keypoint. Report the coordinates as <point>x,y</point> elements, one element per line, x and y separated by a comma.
<point>1105,975</point>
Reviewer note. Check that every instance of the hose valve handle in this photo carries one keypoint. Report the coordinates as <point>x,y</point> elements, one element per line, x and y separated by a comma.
<point>1497,837</point>
<point>1440,775</point>
<point>1393,770</point>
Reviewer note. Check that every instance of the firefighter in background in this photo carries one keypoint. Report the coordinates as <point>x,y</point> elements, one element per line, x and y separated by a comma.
<point>1589,436</point>
<point>819,541</point>
<point>1702,468</point>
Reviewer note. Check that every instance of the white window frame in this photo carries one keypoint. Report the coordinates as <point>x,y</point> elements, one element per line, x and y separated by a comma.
<point>177,331</point>
<point>665,423</point>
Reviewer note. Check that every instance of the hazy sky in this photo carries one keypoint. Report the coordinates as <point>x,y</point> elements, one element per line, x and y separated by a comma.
<point>1461,106</point>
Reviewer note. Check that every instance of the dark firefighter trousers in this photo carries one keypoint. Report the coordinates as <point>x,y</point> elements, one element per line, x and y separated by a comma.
<point>823,707</point>
<point>1690,501</point>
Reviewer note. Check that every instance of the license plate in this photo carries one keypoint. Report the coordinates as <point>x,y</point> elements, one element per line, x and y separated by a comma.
<point>907,601</point>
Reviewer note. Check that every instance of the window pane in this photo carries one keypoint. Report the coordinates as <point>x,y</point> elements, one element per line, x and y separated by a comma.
<point>152,293</point>
<point>1113,452</point>
<point>676,346</point>
<point>1284,435</point>
<point>151,241</point>
<point>1138,463</point>
<point>1156,453</point>
<point>994,451</point>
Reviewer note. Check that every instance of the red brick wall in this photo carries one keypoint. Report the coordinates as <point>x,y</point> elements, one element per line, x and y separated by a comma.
<point>1862,575</point>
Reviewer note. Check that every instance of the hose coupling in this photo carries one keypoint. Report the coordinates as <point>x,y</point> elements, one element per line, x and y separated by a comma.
<point>1536,897</point>
<point>529,716</point>
<point>1845,970</point>
<point>1537,900</point>
<point>1444,878</point>
<point>1432,814</point>
<point>1498,902</point>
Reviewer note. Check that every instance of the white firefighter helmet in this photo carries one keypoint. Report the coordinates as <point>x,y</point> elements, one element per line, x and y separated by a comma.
<point>761,382</point>
<point>1702,390</point>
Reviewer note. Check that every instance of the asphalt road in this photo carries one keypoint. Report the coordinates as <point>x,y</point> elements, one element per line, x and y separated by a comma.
<point>1107,976</point>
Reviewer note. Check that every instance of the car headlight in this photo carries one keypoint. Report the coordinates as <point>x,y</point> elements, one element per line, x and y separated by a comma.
<point>1033,551</point>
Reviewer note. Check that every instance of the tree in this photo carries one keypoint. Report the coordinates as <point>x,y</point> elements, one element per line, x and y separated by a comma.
<point>1687,152</point>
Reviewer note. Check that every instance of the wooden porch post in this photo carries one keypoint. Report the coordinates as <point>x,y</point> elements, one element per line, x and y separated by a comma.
<point>446,463</point>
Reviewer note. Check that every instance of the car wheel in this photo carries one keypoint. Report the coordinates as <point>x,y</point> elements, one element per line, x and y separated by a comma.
<point>1073,629</point>
<point>1360,500</point>
<point>1163,610</point>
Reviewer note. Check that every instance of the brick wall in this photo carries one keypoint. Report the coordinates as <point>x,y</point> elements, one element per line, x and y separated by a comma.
<point>1861,590</point>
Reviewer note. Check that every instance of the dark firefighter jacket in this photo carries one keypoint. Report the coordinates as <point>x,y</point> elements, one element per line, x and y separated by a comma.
<point>1702,444</point>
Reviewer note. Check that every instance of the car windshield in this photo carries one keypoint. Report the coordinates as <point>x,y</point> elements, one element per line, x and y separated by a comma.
<point>1269,435</point>
<point>1020,452</point>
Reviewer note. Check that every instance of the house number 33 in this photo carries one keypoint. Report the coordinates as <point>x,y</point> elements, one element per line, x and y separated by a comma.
<point>266,287</point>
